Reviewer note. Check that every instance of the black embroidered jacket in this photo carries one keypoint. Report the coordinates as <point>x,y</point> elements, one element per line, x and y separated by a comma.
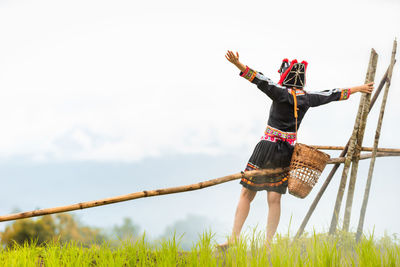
<point>281,115</point>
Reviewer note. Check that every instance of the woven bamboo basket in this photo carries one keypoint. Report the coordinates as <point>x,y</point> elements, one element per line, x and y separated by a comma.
<point>306,166</point>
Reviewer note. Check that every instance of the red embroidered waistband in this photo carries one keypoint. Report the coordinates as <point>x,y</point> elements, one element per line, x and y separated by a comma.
<point>273,135</point>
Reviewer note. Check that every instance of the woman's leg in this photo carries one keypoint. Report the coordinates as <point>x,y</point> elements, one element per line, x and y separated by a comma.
<point>242,210</point>
<point>274,213</point>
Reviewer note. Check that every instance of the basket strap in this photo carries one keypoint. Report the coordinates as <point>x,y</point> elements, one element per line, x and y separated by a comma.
<point>295,107</point>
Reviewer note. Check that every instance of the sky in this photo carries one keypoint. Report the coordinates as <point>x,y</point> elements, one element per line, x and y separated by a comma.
<point>103,98</point>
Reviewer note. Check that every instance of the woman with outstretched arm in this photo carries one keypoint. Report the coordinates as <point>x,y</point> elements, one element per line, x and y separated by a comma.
<point>275,148</point>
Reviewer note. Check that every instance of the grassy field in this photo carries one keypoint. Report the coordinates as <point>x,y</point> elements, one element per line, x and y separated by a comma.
<point>311,250</point>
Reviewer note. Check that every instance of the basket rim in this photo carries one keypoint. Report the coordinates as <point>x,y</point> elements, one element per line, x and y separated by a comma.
<point>313,148</point>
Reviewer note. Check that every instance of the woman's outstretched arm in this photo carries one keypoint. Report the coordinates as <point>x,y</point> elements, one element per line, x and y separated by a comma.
<point>324,97</point>
<point>234,59</point>
<point>273,90</point>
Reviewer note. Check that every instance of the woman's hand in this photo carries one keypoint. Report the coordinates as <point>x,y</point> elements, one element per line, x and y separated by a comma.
<point>366,88</point>
<point>231,57</point>
<point>234,59</point>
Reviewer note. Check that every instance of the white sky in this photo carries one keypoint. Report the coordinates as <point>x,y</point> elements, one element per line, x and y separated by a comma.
<point>116,81</point>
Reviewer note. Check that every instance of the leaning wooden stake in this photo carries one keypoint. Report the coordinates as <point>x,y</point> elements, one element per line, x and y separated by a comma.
<point>158,192</point>
<point>353,141</point>
<point>375,148</point>
<point>356,156</point>
<point>381,84</point>
<point>335,167</point>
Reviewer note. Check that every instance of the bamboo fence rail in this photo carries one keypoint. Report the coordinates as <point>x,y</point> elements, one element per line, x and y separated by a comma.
<point>375,148</point>
<point>150,193</point>
<point>170,190</point>
<point>390,150</point>
<point>364,156</point>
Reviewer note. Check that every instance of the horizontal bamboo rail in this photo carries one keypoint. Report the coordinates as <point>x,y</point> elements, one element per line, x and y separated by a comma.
<point>166,191</point>
<point>364,156</point>
<point>390,150</point>
<point>158,192</point>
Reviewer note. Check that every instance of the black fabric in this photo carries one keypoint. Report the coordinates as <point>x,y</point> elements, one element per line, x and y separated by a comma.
<point>269,154</point>
<point>281,115</point>
<point>266,155</point>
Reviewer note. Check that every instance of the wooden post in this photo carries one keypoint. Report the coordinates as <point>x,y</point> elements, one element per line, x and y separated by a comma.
<point>381,84</point>
<point>375,148</point>
<point>334,169</point>
<point>356,157</point>
<point>352,144</point>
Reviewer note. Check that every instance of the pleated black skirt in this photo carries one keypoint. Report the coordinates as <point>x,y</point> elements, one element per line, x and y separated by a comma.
<point>267,155</point>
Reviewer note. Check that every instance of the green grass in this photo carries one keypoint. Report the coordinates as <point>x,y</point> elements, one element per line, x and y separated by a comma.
<point>311,250</point>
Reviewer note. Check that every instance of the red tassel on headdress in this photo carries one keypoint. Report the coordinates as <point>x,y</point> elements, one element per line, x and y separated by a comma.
<point>305,64</point>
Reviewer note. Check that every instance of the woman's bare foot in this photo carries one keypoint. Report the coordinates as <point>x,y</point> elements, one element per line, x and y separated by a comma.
<point>226,245</point>
<point>223,247</point>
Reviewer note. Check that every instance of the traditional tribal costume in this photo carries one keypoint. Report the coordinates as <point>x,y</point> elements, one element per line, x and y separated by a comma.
<point>275,148</point>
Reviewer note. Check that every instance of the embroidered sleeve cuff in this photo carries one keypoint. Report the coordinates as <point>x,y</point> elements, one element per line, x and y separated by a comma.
<point>248,74</point>
<point>345,94</point>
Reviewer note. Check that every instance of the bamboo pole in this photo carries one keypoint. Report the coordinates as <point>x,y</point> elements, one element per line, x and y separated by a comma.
<point>334,169</point>
<point>376,142</point>
<point>390,150</point>
<point>158,192</point>
<point>170,190</point>
<point>379,88</point>
<point>356,156</point>
<point>352,144</point>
